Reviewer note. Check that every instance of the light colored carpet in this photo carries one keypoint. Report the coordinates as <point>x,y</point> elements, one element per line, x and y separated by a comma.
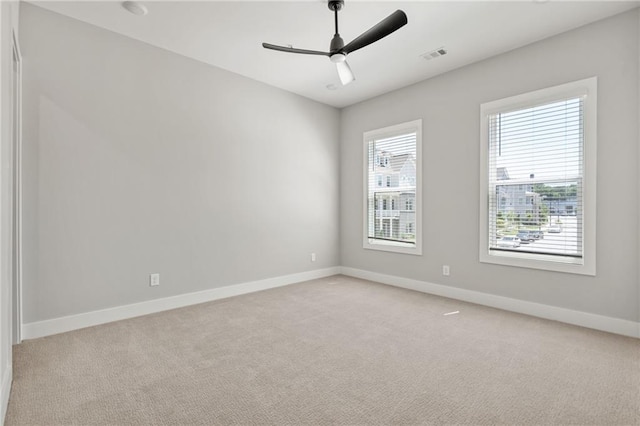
<point>331,351</point>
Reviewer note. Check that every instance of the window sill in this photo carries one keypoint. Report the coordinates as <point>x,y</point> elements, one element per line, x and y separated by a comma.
<point>392,246</point>
<point>570,265</point>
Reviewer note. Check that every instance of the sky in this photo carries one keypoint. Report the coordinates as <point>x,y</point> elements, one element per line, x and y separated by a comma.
<point>545,141</point>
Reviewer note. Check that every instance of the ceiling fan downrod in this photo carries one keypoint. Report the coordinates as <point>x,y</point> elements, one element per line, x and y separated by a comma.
<point>336,42</point>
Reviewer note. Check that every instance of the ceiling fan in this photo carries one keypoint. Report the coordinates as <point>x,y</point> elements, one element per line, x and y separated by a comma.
<point>338,51</point>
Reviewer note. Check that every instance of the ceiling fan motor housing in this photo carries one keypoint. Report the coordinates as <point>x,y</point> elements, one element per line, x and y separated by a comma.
<point>336,44</point>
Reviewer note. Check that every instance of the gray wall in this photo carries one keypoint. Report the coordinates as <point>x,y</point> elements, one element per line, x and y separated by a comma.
<point>137,160</point>
<point>450,107</point>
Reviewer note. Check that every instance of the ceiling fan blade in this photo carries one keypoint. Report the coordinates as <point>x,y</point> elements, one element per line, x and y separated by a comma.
<point>382,29</point>
<point>293,50</point>
<point>345,73</point>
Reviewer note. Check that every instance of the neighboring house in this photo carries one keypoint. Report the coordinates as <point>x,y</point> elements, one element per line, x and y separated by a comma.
<point>517,199</point>
<point>394,198</point>
<point>564,207</point>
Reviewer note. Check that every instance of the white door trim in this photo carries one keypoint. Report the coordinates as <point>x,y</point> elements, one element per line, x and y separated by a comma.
<point>16,105</point>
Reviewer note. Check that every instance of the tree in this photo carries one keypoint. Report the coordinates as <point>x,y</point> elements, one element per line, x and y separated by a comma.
<point>543,213</point>
<point>556,193</point>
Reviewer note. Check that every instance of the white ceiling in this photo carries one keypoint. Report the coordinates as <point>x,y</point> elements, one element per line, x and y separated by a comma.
<point>229,35</point>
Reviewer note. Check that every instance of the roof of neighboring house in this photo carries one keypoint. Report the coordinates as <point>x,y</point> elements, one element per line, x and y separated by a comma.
<point>398,161</point>
<point>502,174</point>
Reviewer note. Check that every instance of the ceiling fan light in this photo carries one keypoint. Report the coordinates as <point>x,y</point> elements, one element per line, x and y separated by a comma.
<point>345,73</point>
<point>338,57</point>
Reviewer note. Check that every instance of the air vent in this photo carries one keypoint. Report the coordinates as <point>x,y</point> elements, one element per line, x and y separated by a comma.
<point>434,53</point>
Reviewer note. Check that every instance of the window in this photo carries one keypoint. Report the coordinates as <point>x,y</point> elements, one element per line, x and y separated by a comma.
<point>540,147</point>
<point>396,152</point>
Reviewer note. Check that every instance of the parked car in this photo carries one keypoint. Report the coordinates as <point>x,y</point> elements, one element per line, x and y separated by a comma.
<point>509,241</point>
<point>555,229</point>
<point>525,236</point>
<point>536,234</point>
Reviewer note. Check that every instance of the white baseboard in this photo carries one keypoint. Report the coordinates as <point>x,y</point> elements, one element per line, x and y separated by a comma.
<point>584,319</point>
<point>5,391</point>
<point>37,329</point>
<point>73,322</point>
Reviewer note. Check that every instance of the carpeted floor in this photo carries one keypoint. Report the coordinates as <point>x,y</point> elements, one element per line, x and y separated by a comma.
<point>331,351</point>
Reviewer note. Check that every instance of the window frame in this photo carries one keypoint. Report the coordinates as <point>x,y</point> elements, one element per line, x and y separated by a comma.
<point>586,88</point>
<point>385,245</point>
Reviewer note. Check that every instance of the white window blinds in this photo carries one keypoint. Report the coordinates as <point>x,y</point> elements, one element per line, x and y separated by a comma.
<point>536,179</point>
<point>391,188</point>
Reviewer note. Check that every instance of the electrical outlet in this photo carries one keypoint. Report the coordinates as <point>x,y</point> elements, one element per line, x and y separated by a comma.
<point>445,270</point>
<point>313,257</point>
<point>154,280</point>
